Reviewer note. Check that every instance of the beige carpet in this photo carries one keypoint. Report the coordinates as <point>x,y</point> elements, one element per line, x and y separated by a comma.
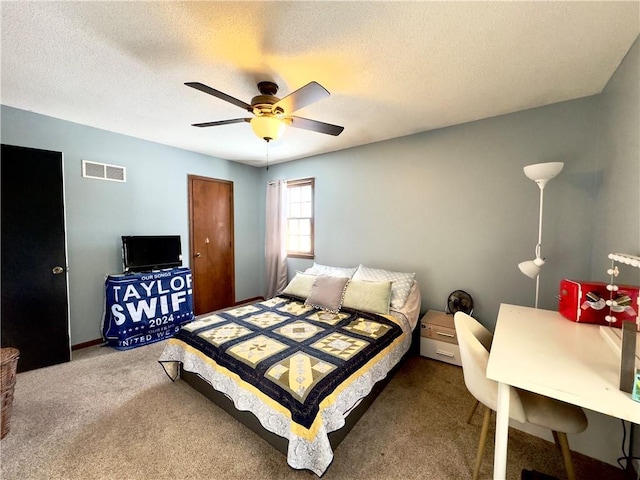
<point>115,415</point>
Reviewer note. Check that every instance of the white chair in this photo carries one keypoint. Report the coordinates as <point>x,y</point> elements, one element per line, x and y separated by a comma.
<point>526,407</point>
<point>485,337</point>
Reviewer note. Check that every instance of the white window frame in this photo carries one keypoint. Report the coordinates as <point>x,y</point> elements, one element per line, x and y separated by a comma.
<point>294,208</point>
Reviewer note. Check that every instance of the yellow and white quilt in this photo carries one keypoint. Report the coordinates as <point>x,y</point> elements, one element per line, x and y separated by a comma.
<point>298,369</point>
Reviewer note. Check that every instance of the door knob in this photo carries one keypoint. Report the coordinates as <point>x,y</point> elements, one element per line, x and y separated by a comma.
<point>198,255</point>
<point>57,270</point>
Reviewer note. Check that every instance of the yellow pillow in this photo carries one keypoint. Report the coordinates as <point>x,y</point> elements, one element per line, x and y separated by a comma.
<point>372,297</point>
<point>300,285</point>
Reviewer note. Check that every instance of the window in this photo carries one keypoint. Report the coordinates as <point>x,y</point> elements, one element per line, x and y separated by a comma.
<point>300,218</point>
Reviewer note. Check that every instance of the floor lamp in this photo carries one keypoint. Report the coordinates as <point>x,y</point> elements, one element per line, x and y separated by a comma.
<point>540,173</point>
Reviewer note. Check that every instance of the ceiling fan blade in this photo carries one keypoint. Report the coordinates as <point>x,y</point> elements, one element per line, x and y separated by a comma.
<point>316,126</point>
<point>310,93</point>
<point>221,122</point>
<point>216,93</point>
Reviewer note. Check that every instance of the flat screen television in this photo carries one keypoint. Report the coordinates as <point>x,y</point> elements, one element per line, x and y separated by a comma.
<point>143,253</point>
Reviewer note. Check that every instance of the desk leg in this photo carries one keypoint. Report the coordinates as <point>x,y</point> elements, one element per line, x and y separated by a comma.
<point>502,433</point>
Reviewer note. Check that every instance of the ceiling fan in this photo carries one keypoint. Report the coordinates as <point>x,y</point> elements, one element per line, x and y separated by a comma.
<point>270,113</point>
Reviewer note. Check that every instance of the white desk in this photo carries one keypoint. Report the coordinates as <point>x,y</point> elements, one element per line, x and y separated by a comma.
<point>543,352</point>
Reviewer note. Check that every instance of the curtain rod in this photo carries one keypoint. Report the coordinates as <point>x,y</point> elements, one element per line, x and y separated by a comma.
<point>292,180</point>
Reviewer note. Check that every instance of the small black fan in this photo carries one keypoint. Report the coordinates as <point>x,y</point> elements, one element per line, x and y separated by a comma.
<point>460,301</point>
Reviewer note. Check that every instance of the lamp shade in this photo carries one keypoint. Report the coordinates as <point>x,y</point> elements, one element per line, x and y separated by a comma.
<point>531,268</point>
<point>541,173</point>
<point>266,127</point>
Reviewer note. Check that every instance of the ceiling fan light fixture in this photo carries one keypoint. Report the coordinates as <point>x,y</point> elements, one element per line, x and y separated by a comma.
<point>267,127</point>
<point>272,114</point>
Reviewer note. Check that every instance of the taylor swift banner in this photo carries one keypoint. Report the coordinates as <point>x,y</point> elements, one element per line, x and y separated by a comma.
<point>143,308</point>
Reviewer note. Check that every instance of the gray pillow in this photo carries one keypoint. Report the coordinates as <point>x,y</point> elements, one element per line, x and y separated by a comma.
<point>327,293</point>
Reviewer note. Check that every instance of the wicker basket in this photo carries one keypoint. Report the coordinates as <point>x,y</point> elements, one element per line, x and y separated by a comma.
<point>9,364</point>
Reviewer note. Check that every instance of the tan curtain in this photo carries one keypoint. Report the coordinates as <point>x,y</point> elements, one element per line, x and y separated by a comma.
<point>276,241</point>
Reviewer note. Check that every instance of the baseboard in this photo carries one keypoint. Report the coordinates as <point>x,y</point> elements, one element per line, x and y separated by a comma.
<point>249,300</point>
<point>90,343</point>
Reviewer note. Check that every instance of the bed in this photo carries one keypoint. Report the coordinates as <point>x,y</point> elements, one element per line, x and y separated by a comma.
<point>301,368</point>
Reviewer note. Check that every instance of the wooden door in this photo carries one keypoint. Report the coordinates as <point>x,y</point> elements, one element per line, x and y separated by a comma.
<point>211,243</point>
<point>35,317</point>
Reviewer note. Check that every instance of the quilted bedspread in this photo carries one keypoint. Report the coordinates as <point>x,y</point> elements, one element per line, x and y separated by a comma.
<point>298,369</point>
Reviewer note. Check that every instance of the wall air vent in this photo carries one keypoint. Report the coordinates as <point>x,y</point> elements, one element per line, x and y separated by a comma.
<point>102,171</point>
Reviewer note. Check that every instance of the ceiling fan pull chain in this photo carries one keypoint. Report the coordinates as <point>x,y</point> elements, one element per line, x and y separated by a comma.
<point>267,155</point>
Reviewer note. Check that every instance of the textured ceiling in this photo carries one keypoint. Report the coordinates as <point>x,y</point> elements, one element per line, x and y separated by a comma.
<point>393,68</point>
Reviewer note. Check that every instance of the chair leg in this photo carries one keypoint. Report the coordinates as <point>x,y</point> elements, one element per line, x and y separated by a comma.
<point>473,410</point>
<point>566,455</point>
<point>483,441</point>
<point>556,440</point>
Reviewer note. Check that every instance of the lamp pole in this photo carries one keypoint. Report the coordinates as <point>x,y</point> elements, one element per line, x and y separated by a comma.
<point>539,246</point>
<point>540,173</point>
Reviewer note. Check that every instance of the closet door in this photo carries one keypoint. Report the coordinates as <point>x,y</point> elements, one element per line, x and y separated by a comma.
<point>34,308</point>
<point>212,243</point>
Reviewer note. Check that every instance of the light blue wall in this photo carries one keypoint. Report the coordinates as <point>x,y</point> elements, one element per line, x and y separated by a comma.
<point>154,200</point>
<point>454,205</point>
<point>617,225</point>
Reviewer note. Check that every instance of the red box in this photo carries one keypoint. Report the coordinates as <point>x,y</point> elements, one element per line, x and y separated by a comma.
<point>585,302</point>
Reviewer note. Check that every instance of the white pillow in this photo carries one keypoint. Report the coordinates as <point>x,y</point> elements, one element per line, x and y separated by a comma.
<point>367,296</point>
<point>400,282</point>
<point>300,285</point>
<point>319,269</point>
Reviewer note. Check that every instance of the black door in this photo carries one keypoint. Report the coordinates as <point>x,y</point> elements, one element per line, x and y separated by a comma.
<point>34,280</point>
